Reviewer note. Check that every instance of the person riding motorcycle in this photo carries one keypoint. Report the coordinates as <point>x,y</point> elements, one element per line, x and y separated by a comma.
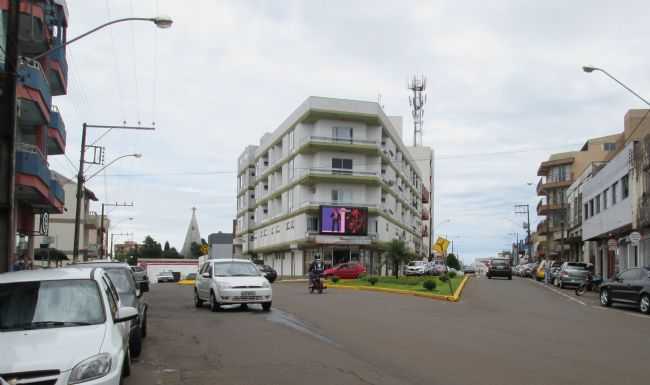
<point>316,269</point>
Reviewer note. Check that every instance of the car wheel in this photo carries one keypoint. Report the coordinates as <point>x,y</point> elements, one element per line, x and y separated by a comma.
<point>556,282</point>
<point>644,304</point>
<point>198,302</point>
<point>143,328</point>
<point>214,305</point>
<point>510,277</point>
<point>560,285</point>
<point>489,277</point>
<point>605,299</point>
<point>135,343</point>
<point>266,306</point>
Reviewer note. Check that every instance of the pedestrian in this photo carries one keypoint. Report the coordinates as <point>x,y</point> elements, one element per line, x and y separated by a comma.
<point>547,271</point>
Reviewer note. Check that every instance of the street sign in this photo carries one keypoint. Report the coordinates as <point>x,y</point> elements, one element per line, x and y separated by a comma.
<point>635,237</point>
<point>612,244</point>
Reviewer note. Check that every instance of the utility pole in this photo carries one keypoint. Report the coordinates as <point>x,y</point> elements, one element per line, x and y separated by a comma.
<point>97,159</point>
<point>101,226</point>
<point>8,138</point>
<point>525,209</point>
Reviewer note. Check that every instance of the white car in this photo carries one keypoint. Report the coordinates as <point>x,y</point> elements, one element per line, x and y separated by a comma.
<point>416,268</point>
<point>62,326</point>
<point>231,281</point>
<point>165,276</point>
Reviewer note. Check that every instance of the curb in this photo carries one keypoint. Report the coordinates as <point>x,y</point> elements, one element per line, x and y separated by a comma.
<point>450,298</point>
<point>292,280</point>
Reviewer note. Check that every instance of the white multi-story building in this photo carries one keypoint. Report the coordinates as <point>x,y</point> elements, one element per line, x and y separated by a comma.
<point>335,180</point>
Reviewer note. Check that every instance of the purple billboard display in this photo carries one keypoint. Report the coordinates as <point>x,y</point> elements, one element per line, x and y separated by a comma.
<point>344,220</point>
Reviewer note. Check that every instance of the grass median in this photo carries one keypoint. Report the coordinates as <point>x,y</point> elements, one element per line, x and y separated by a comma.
<point>413,284</point>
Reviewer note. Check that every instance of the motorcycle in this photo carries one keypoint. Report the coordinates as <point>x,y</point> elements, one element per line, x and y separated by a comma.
<point>590,284</point>
<point>316,284</point>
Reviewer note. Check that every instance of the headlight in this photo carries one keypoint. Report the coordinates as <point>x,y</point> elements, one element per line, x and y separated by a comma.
<point>90,369</point>
<point>224,285</point>
<point>266,284</point>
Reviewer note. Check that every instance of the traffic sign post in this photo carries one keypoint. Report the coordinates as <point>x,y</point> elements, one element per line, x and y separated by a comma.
<point>635,237</point>
<point>612,244</point>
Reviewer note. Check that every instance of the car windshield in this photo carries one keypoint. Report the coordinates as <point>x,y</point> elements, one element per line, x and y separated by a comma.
<point>235,269</point>
<point>576,266</point>
<point>191,276</point>
<point>122,280</point>
<point>499,263</point>
<point>47,304</point>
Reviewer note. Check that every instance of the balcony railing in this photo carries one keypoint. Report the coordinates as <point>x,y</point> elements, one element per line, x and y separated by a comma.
<point>37,90</point>
<point>30,161</point>
<point>57,190</point>
<point>425,215</point>
<point>425,195</point>
<point>58,80</point>
<point>333,139</point>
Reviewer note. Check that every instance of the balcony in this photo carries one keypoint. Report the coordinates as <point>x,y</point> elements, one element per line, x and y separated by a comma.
<point>33,35</point>
<point>546,166</point>
<point>311,143</point>
<point>425,214</point>
<point>33,92</point>
<point>35,185</point>
<point>550,183</point>
<point>425,195</point>
<point>545,208</point>
<point>425,231</point>
<point>339,175</point>
<point>56,133</point>
<point>57,71</point>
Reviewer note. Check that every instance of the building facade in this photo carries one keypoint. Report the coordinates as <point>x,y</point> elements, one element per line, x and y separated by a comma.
<point>333,180</point>
<point>40,129</point>
<point>557,174</point>
<point>424,159</point>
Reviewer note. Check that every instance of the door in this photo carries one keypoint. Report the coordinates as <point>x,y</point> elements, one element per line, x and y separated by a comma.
<point>204,283</point>
<point>634,285</point>
<point>624,291</point>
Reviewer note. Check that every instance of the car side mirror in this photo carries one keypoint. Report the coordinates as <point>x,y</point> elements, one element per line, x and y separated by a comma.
<point>126,313</point>
<point>144,287</point>
<point>205,275</point>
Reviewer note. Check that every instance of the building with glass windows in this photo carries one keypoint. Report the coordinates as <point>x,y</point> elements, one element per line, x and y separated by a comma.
<point>333,180</point>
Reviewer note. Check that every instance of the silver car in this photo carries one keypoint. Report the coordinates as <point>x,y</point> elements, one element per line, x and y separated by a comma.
<point>571,274</point>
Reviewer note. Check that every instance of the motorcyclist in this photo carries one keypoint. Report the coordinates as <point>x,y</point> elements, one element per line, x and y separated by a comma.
<point>315,269</point>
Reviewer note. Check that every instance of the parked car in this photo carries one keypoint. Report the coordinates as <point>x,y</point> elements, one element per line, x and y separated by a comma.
<point>539,273</point>
<point>188,280</point>
<point>499,268</point>
<point>231,281</point>
<point>631,286</point>
<point>130,295</point>
<point>571,274</point>
<point>63,326</point>
<point>268,272</point>
<point>350,270</point>
<point>140,275</point>
<point>165,276</point>
<point>439,269</point>
<point>554,271</point>
<point>416,268</point>
<point>468,269</point>
<point>529,270</point>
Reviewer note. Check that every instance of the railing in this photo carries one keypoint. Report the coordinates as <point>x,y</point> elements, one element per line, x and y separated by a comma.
<point>332,139</point>
<point>30,161</point>
<point>56,189</point>
<point>425,215</point>
<point>335,171</point>
<point>425,195</point>
<point>31,74</point>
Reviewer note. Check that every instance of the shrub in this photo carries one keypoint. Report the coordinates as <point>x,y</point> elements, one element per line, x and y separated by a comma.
<point>335,279</point>
<point>429,284</point>
<point>444,278</point>
<point>452,274</point>
<point>373,280</point>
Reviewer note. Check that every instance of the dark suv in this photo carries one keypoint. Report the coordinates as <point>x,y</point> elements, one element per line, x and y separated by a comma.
<point>499,268</point>
<point>130,295</point>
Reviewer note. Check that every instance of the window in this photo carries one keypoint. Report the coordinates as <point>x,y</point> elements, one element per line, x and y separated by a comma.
<point>625,186</point>
<point>586,211</point>
<point>635,252</point>
<point>614,187</point>
<point>591,207</point>
<point>342,164</point>
<point>291,139</point>
<point>291,169</point>
<point>597,203</point>
<point>609,146</point>
<point>630,275</point>
<point>342,134</point>
<point>312,223</point>
<point>605,199</point>
<point>290,200</point>
<point>340,196</point>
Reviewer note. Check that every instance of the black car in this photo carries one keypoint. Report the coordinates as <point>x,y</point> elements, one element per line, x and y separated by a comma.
<point>270,274</point>
<point>499,268</point>
<point>630,286</point>
<point>130,294</point>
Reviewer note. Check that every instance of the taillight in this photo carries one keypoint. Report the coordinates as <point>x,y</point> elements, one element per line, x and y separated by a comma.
<point>564,274</point>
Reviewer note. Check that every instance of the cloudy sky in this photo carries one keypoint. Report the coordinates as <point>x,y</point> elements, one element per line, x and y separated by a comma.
<point>505,90</point>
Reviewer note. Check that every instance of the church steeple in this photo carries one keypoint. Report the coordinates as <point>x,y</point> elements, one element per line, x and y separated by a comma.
<point>192,235</point>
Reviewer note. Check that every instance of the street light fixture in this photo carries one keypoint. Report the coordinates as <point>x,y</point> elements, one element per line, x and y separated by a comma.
<point>137,156</point>
<point>590,69</point>
<point>162,22</point>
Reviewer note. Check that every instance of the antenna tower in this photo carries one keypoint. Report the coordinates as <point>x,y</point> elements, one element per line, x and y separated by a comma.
<point>417,102</point>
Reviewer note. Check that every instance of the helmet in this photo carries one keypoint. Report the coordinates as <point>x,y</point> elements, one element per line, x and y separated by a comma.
<point>317,257</point>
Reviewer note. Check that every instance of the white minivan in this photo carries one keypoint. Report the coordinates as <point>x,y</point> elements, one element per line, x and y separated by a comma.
<point>62,326</point>
<point>229,282</point>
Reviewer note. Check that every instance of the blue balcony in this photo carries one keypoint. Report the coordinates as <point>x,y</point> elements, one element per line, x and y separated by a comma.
<point>33,34</point>
<point>32,163</point>
<point>35,185</point>
<point>57,190</point>
<point>56,135</point>
<point>33,92</point>
<point>57,71</point>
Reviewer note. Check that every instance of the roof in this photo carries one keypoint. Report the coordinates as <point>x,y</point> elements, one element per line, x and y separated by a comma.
<point>229,260</point>
<point>220,238</point>
<point>102,264</point>
<point>46,274</point>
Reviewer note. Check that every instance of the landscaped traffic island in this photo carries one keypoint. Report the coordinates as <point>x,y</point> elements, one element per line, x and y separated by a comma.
<point>406,285</point>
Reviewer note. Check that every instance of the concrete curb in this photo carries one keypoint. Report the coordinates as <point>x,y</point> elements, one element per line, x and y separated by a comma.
<point>450,298</point>
<point>292,280</point>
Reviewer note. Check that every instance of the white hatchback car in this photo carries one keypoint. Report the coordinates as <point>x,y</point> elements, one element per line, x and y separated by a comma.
<point>62,326</point>
<point>231,281</point>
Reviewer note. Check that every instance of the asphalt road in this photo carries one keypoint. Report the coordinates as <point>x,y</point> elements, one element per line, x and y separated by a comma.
<point>501,332</point>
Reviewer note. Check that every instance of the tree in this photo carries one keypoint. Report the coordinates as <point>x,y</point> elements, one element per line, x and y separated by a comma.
<point>166,248</point>
<point>452,262</point>
<point>171,253</point>
<point>396,253</point>
<point>150,248</point>
<point>195,250</point>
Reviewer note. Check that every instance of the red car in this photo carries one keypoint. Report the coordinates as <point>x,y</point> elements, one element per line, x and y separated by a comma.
<point>345,270</point>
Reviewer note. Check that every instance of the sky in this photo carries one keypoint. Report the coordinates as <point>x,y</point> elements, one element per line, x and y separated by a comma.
<point>505,89</point>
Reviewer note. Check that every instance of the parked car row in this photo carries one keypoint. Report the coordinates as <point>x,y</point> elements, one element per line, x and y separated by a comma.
<point>98,306</point>
<point>416,268</point>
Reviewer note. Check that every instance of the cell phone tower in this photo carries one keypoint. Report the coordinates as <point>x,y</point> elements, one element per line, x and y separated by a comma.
<point>417,102</point>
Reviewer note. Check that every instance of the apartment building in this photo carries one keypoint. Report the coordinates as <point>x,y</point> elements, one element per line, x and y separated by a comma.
<point>333,180</point>
<point>424,159</point>
<point>557,174</point>
<point>40,129</point>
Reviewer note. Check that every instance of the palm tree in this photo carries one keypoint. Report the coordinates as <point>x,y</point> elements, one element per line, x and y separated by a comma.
<point>396,253</point>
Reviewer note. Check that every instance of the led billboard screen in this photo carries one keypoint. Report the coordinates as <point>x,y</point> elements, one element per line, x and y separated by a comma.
<point>344,220</point>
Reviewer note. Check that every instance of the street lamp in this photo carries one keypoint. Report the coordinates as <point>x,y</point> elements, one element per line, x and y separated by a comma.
<point>137,156</point>
<point>590,69</point>
<point>162,22</point>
